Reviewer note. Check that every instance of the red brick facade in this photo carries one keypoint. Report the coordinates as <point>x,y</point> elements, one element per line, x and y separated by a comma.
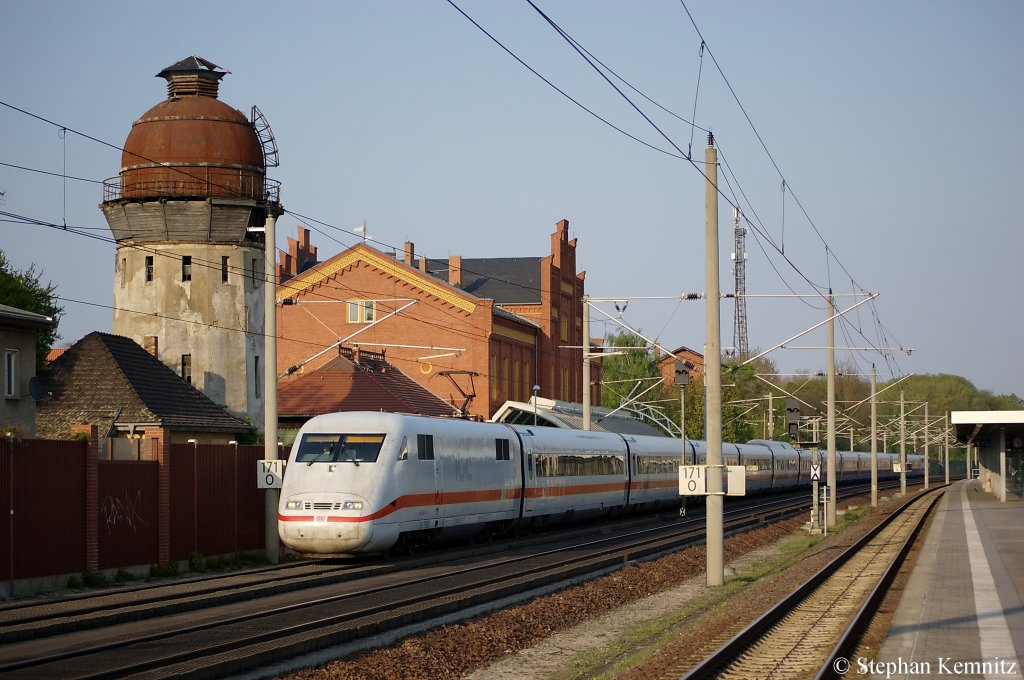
<point>440,326</point>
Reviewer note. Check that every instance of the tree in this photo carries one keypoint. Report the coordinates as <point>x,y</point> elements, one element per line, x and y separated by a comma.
<point>630,373</point>
<point>24,290</point>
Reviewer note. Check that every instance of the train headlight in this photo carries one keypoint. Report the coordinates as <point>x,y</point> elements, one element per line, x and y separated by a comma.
<point>352,505</point>
<point>293,505</point>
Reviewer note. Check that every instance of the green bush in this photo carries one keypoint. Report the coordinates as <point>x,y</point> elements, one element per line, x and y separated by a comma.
<point>196,561</point>
<point>157,571</point>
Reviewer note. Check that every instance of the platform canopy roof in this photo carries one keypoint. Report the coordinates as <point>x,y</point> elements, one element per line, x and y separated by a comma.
<point>973,427</point>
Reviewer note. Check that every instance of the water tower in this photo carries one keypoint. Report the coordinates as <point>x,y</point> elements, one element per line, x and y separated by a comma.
<point>187,211</point>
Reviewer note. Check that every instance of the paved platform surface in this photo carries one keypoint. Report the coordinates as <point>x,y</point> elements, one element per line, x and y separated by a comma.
<point>961,614</point>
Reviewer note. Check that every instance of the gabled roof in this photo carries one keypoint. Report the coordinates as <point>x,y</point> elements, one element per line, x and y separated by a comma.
<point>343,385</point>
<point>401,271</point>
<point>506,280</point>
<point>104,379</point>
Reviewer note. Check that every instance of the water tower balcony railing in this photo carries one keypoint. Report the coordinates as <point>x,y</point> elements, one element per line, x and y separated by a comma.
<point>223,184</point>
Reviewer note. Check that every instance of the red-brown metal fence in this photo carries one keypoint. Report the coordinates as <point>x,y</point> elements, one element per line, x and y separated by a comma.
<point>128,524</point>
<point>215,505</point>
<point>43,503</point>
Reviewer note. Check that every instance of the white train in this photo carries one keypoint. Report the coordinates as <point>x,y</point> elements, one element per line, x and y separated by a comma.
<point>363,482</point>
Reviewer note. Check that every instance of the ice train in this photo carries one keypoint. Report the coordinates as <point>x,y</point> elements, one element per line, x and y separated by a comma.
<point>363,482</point>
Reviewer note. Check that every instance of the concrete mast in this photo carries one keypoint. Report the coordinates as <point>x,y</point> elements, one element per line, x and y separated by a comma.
<point>713,376</point>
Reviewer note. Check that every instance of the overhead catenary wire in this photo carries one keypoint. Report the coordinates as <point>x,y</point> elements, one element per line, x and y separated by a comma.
<point>878,325</point>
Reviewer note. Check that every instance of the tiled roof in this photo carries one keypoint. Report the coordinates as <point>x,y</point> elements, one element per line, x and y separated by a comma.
<point>371,385</point>
<point>107,378</point>
<point>508,280</point>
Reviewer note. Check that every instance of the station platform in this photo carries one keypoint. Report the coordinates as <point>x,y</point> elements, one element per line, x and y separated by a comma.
<point>962,611</point>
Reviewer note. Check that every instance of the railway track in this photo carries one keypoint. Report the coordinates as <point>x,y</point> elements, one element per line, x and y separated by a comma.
<point>806,634</point>
<point>227,625</point>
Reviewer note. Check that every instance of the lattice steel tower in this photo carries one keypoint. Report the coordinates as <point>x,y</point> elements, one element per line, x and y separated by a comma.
<point>739,268</point>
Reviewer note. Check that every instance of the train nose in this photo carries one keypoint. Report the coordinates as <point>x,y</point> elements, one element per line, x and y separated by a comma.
<point>324,525</point>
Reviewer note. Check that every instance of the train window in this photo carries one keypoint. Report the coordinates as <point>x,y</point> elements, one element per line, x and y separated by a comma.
<point>403,451</point>
<point>339,448</point>
<point>425,446</point>
<point>657,465</point>
<point>501,451</point>
<point>571,465</point>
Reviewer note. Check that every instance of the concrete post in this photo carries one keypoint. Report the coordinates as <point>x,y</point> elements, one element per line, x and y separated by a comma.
<point>270,537</point>
<point>830,509</point>
<point>1002,465</point>
<point>713,376</point>
<point>945,440</point>
<point>903,447</point>
<point>874,438</point>
<point>586,363</point>
<point>926,472</point>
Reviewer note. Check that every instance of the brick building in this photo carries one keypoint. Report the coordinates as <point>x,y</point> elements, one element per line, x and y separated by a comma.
<point>667,364</point>
<point>513,322</point>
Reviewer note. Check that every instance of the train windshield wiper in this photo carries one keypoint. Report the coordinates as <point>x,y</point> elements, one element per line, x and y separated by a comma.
<point>317,456</point>
<point>350,454</point>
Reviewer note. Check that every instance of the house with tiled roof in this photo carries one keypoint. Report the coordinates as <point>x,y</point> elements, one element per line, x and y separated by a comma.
<point>18,329</point>
<point>509,323</point>
<point>110,381</point>
<point>353,380</point>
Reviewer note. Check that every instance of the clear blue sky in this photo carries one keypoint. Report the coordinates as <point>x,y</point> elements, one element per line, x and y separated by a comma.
<point>895,124</point>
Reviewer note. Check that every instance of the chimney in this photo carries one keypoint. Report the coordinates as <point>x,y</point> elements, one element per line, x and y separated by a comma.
<point>151,343</point>
<point>423,264</point>
<point>455,270</point>
<point>410,253</point>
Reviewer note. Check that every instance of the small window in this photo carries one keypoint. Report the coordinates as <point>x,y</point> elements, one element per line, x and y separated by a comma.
<point>149,268</point>
<point>124,270</point>
<point>224,269</point>
<point>256,373</point>
<point>501,451</point>
<point>425,446</point>
<point>186,267</point>
<point>186,368</point>
<point>362,311</point>
<point>403,452</point>
<point>11,374</point>
<point>252,270</point>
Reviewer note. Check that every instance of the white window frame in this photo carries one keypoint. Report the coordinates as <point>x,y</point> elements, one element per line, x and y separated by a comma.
<point>361,311</point>
<point>11,362</point>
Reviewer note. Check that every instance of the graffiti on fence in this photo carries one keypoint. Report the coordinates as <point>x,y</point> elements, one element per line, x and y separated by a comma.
<point>122,513</point>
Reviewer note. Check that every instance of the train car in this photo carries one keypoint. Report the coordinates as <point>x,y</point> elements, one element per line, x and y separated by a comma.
<point>654,470</point>
<point>759,464</point>
<point>571,473</point>
<point>358,482</point>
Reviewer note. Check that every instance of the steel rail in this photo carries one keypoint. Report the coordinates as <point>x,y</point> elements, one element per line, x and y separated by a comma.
<point>746,638</point>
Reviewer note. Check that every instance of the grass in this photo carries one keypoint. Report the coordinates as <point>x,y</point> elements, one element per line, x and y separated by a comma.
<point>640,640</point>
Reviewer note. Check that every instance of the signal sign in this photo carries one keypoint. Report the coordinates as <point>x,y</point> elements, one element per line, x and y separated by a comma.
<point>269,474</point>
<point>692,480</point>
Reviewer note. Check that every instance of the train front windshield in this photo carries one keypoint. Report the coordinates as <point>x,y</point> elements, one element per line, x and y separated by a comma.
<point>339,448</point>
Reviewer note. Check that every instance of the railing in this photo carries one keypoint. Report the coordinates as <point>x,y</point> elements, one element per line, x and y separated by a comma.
<point>238,184</point>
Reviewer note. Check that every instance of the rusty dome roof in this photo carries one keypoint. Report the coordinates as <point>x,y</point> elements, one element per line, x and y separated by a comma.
<point>193,130</point>
<point>192,143</point>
